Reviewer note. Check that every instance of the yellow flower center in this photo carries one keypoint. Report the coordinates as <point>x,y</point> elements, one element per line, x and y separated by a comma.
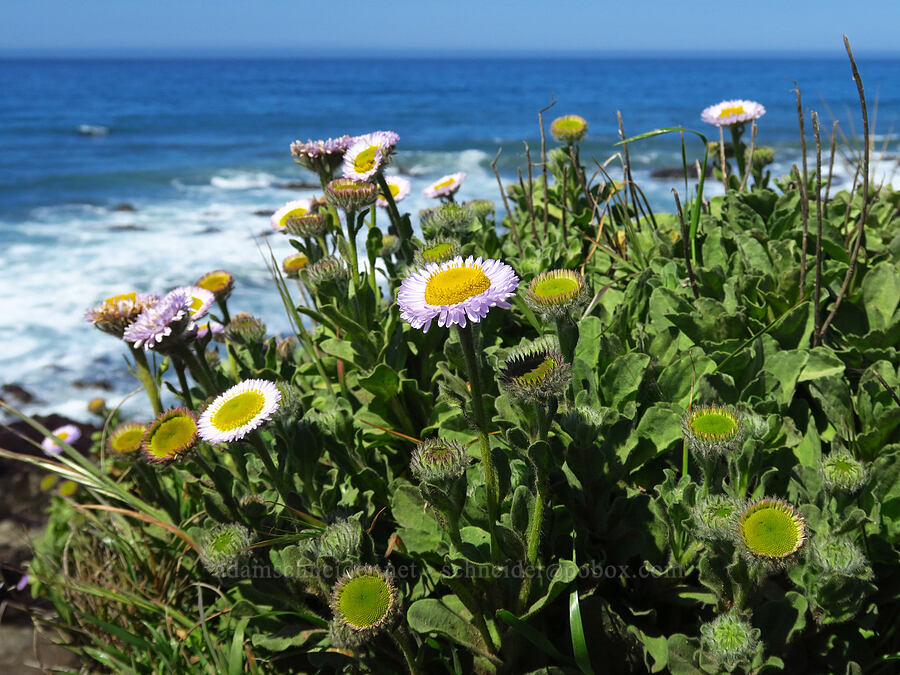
<point>194,303</point>
<point>394,188</point>
<point>62,435</point>
<point>714,422</point>
<point>538,374</point>
<point>295,262</point>
<point>365,600</point>
<point>214,282</point>
<point>444,183</point>
<point>293,213</point>
<point>454,285</point>
<point>113,300</point>
<point>365,160</point>
<point>128,440</point>
<point>238,410</point>
<point>172,436</point>
<point>732,110</point>
<point>555,288</point>
<point>771,531</point>
<point>568,124</point>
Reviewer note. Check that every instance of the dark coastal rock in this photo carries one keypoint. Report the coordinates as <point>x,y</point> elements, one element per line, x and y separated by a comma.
<point>209,230</point>
<point>124,206</point>
<point>103,385</point>
<point>126,228</point>
<point>263,212</point>
<point>17,393</point>
<point>404,171</point>
<point>677,172</point>
<point>298,185</point>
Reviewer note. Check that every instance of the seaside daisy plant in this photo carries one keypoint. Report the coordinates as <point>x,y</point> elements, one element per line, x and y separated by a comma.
<point>445,186</point>
<point>170,435</point>
<point>68,433</point>
<point>455,292</point>
<point>238,411</point>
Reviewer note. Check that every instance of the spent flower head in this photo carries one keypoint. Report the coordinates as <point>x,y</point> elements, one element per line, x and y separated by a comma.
<point>569,129</point>
<point>556,294</point>
<point>435,460</point>
<point>536,371</point>
<point>842,472</point>
<point>713,431</point>
<point>224,546</point>
<point>114,314</point>
<point>770,532</point>
<point>366,601</point>
<point>172,434</point>
<point>455,292</point>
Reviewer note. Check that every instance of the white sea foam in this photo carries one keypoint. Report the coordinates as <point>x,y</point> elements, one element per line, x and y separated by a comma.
<point>242,180</point>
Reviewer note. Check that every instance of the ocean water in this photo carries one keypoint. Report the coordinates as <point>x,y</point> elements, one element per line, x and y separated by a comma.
<point>197,147</point>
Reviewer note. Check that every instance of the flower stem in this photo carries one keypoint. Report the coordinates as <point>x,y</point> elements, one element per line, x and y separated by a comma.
<point>182,380</point>
<point>147,379</point>
<point>738,148</point>
<point>223,306</point>
<point>401,639</point>
<point>467,342</point>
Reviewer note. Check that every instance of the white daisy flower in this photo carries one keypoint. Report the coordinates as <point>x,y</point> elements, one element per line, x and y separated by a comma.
<point>727,113</point>
<point>239,411</point>
<point>445,186</point>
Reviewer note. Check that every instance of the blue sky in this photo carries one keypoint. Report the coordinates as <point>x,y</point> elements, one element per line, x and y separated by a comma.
<point>354,27</point>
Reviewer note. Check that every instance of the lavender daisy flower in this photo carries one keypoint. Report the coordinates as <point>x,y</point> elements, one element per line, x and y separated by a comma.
<point>399,188</point>
<point>239,411</point>
<point>68,433</point>
<point>117,312</point>
<point>369,154</point>
<point>455,292</point>
<point>323,154</point>
<point>199,300</point>
<point>289,212</point>
<point>445,186</point>
<point>728,113</point>
<point>164,325</point>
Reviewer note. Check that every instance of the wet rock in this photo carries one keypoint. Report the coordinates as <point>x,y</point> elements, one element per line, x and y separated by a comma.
<point>124,206</point>
<point>126,228</point>
<point>103,385</point>
<point>263,212</point>
<point>22,652</point>
<point>17,393</point>
<point>298,185</point>
<point>677,172</point>
<point>209,230</point>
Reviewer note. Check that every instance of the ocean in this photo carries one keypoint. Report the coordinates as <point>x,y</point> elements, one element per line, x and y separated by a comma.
<point>120,175</point>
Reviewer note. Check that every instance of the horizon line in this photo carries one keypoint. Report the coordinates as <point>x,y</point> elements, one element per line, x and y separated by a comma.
<point>269,53</point>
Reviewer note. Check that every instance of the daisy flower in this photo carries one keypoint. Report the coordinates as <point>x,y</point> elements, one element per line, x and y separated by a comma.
<point>316,154</point>
<point>728,113</point>
<point>117,312</point>
<point>291,211</point>
<point>172,434</point>
<point>399,188</point>
<point>199,300</point>
<point>455,292</point>
<point>219,282</point>
<point>161,326</point>
<point>445,186</point>
<point>369,154</point>
<point>68,433</point>
<point>238,411</point>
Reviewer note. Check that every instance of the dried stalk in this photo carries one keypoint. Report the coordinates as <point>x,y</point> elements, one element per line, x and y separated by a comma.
<point>818,284</point>
<point>684,243</point>
<point>804,197</point>
<point>834,127</point>
<point>512,223</point>
<point>753,131</point>
<point>865,201</point>
<point>529,205</point>
<point>544,163</point>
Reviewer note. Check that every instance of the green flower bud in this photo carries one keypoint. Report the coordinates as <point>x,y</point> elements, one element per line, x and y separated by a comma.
<point>366,601</point>
<point>714,516</point>
<point>770,532</point>
<point>224,546</point>
<point>536,371</point>
<point>245,329</point>
<point>556,294</point>
<point>729,640</point>
<point>435,460</point>
<point>569,128</point>
<point>713,431</point>
<point>437,250</point>
<point>842,472</point>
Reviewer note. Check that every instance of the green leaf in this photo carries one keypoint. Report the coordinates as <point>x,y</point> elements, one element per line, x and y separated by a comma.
<point>534,636</point>
<point>383,382</point>
<point>579,644</point>
<point>622,379</point>
<point>566,572</point>
<point>822,362</point>
<point>881,295</point>
<point>339,348</point>
<point>434,616</point>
